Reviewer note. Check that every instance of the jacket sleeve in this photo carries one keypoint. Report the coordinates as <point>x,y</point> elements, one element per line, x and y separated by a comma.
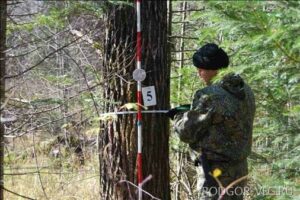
<point>192,125</point>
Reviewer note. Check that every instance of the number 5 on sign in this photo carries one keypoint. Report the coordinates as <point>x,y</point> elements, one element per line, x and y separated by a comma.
<point>149,96</point>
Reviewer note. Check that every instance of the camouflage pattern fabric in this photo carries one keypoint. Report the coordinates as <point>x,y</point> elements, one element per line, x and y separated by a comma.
<point>219,126</point>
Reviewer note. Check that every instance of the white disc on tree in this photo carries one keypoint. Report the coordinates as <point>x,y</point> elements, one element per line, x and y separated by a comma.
<point>139,74</point>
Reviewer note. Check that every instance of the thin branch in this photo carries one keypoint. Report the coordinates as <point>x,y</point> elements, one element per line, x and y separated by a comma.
<point>179,51</point>
<point>230,186</point>
<point>183,37</point>
<point>42,111</point>
<point>33,167</point>
<point>46,39</point>
<point>6,100</point>
<point>225,189</point>
<point>86,82</point>
<point>19,195</point>
<point>14,3</point>
<point>190,10</point>
<point>180,22</point>
<point>24,54</point>
<point>130,183</point>
<point>37,167</point>
<point>85,38</point>
<point>19,127</point>
<point>54,173</point>
<point>15,85</point>
<point>180,60</point>
<point>24,15</point>
<point>7,135</point>
<point>41,61</point>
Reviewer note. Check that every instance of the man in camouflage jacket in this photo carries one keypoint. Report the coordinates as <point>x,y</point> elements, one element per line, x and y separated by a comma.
<point>219,124</point>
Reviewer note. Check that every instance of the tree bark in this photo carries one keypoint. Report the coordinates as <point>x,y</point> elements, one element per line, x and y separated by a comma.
<point>156,126</point>
<point>3,14</point>
<point>118,139</point>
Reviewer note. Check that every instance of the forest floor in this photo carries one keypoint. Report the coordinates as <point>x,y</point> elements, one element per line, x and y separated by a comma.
<point>41,171</point>
<point>40,167</point>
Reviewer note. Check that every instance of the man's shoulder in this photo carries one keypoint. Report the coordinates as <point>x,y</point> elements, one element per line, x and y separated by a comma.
<point>213,93</point>
<point>217,98</point>
<point>210,90</point>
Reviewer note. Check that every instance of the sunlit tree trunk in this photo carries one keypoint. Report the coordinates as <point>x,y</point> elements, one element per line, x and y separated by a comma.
<point>3,13</point>
<point>118,139</point>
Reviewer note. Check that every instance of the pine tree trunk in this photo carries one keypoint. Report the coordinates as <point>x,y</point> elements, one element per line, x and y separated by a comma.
<point>3,13</point>
<point>118,139</point>
<point>156,126</point>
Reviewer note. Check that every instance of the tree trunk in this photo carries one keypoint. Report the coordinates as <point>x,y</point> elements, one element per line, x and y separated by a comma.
<point>156,126</point>
<point>3,13</point>
<point>118,139</point>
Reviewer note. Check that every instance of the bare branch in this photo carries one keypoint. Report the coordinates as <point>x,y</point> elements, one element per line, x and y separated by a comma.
<point>130,183</point>
<point>24,15</point>
<point>184,50</point>
<point>41,61</point>
<point>24,54</point>
<point>85,38</point>
<point>180,22</point>
<point>37,167</point>
<point>190,10</point>
<point>188,38</point>
<point>180,60</point>
<point>19,195</point>
<point>34,128</point>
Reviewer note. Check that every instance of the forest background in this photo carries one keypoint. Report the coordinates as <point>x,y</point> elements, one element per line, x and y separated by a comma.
<point>53,92</point>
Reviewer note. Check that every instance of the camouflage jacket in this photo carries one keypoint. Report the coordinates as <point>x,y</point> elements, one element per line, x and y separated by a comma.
<point>220,121</point>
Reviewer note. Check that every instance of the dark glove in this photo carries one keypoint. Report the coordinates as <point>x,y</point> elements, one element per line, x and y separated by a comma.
<point>180,109</point>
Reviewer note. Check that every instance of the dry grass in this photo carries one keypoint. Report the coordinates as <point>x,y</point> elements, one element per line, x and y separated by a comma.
<point>62,178</point>
<point>65,185</point>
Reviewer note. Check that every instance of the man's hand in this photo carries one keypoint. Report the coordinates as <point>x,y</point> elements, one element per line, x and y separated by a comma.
<point>180,109</point>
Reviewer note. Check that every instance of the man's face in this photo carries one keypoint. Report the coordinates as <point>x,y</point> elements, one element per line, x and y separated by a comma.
<point>206,75</point>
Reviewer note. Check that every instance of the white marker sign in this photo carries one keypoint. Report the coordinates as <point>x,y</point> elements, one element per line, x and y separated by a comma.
<point>139,74</point>
<point>149,96</point>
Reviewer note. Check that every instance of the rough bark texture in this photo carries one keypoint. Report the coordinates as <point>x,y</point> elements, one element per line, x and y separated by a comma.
<point>156,126</point>
<point>118,140</point>
<point>2,85</point>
